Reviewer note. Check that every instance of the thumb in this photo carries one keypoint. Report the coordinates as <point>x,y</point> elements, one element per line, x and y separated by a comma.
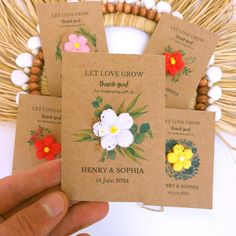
<point>38,219</point>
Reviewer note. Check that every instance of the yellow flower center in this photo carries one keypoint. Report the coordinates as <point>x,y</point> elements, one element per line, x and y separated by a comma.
<point>46,149</point>
<point>181,158</point>
<point>76,45</point>
<point>172,61</point>
<point>114,130</point>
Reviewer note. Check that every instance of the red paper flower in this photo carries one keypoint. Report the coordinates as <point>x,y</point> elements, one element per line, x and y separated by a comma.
<point>174,63</point>
<point>47,148</point>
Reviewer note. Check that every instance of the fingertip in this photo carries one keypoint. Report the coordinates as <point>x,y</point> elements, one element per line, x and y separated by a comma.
<point>102,209</point>
<point>55,204</point>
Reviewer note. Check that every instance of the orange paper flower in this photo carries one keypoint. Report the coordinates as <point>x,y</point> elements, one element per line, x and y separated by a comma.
<point>47,148</point>
<point>174,63</point>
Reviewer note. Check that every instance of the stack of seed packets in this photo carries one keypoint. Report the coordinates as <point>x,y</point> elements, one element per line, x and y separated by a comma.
<point>122,126</point>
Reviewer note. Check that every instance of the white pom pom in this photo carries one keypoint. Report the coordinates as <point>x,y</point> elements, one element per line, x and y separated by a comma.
<point>130,1</point>
<point>25,87</point>
<point>18,96</point>
<point>210,84</point>
<point>212,60</point>
<point>34,43</point>
<point>112,1</point>
<point>149,4</point>
<point>121,1</point>
<point>27,70</point>
<point>214,74</point>
<point>38,28</point>
<point>217,110</point>
<point>215,92</point>
<point>35,52</point>
<point>210,101</point>
<point>178,15</point>
<point>19,78</point>
<point>163,7</point>
<point>24,60</point>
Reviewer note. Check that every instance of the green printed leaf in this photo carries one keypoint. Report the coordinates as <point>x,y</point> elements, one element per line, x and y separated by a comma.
<point>144,128</point>
<point>104,154</point>
<point>136,147</point>
<point>95,104</point>
<point>107,106</point>
<point>138,138</point>
<point>84,139</point>
<point>168,49</point>
<point>133,103</point>
<point>90,131</point>
<point>187,71</point>
<point>91,37</point>
<point>138,110</point>
<point>150,134</point>
<point>134,153</point>
<point>97,113</point>
<point>121,108</point>
<point>119,150</point>
<point>112,155</point>
<point>182,52</point>
<point>138,114</point>
<point>58,51</point>
<point>99,99</point>
<point>130,156</point>
<point>134,129</point>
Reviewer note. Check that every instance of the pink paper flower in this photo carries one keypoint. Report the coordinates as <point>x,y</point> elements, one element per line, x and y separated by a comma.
<point>76,44</point>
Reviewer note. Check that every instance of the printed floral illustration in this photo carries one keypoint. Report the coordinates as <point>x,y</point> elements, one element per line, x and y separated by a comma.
<point>45,144</point>
<point>174,62</point>
<point>114,130</point>
<point>177,63</point>
<point>76,42</point>
<point>182,160</point>
<point>117,132</point>
<point>180,157</point>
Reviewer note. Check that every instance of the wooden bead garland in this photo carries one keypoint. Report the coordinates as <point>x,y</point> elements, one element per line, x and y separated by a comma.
<point>35,73</point>
<point>202,97</point>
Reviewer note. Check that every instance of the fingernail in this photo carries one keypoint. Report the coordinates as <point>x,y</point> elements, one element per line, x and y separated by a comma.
<point>54,205</point>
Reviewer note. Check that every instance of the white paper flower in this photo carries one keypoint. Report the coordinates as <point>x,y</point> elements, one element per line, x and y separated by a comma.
<point>114,130</point>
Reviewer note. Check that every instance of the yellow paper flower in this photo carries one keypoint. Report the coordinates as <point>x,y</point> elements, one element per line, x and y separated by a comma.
<point>180,157</point>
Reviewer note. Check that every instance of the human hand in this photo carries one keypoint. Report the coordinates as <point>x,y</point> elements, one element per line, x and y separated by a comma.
<point>30,205</point>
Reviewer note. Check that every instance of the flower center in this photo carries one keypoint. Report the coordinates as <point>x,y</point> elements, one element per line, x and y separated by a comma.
<point>172,61</point>
<point>113,130</point>
<point>76,45</point>
<point>46,149</point>
<point>181,158</point>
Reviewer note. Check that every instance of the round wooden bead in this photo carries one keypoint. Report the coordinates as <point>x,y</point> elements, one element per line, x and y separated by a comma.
<point>127,8</point>
<point>135,9</point>
<point>33,86</point>
<point>202,90</point>
<point>151,14</point>
<point>37,62</point>
<point>34,78</point>
<point>104,8</point>
<point>203,82</point>
<point>119,7</point>
<point>111,7</point>
<point>200,106</point>
<point>35,92</point>
<point>36,70</point>
<point>158,17</point>
<point>143,11</point>
<point>202,99</point>
<point>40,55</point>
